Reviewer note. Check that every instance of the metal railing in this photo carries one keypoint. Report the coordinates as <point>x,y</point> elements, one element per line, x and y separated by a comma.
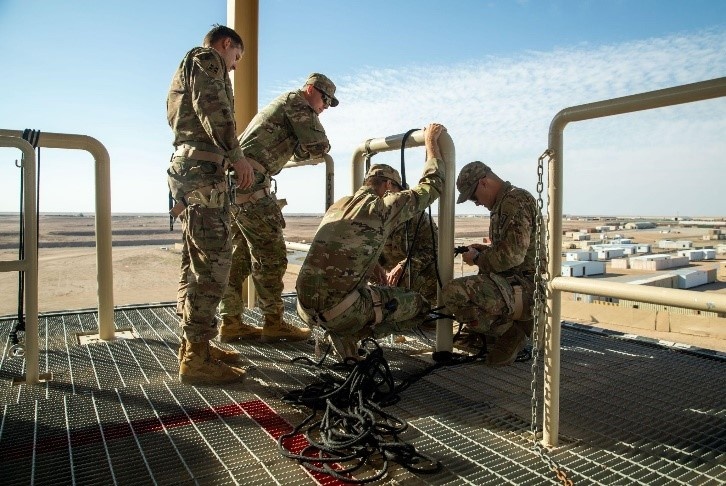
<point>29,262</point>
<point>444,329</point>
<point>688,93</point>
<point>104,261</point>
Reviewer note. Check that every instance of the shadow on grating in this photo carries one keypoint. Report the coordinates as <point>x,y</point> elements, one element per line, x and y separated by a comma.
<point>630,412</point>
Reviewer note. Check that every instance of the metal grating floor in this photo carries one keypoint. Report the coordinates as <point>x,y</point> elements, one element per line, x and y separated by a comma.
<point>631,412</point>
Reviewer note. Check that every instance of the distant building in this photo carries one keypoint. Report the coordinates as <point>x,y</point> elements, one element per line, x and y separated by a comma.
<point>657,262</point>
<point>640,225</point>
<point>675,245</point>
<point>582,268</point>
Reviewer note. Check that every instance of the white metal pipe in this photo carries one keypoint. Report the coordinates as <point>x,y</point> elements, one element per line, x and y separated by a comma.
<point>704,90</point>
<point>291,245</point>
<point>104,261</point>
<point>329,174</point>
<point>444,331</point>
<point>29,263</point>
<point>704,301</point>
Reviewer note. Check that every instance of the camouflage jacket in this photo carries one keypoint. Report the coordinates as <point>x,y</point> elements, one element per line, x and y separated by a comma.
<point>350,238</point>
<point>286,127</point>
<point>200,105</point>
<point>512,229</point>
<point>395,249</point>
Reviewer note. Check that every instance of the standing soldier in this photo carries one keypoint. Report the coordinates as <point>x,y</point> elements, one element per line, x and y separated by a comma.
<point>497,301</point>
<point>288,127</point>
<point>201,115</point>
<point>332,286</point>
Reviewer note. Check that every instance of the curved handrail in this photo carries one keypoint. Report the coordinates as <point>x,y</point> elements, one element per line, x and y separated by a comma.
<point>444,331</point>
<point>104,261</point>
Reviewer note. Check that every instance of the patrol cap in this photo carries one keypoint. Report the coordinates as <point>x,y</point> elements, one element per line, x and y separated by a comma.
<point>469,178</point>
<point>386,171</point>
<point>324,84</point>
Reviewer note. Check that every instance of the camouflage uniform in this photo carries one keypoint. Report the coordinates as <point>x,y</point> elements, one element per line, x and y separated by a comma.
<point>201,115</point>
<point>423,255</point>
<point>345,251</point>
<point>287,127</point>
<point>488,297</point>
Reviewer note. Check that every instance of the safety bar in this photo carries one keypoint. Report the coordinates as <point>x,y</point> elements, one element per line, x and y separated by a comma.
<point>29,263</point>
<point>704,90</point>
<point>104,263</point>
<point>444,331</point>
<point>249,289</point>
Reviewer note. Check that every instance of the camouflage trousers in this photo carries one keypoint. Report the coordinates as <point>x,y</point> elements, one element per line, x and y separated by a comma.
<point>484,302</point>
<point>258,249</point>
<point>206,252</point>
<point>402,310</point>
<point>205,262</point>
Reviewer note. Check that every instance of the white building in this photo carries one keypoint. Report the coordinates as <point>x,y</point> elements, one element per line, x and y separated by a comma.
<point>582,268</point>
<point>657,262</point>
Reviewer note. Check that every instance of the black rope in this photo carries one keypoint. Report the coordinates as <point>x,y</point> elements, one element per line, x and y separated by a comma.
<point>404,185</point>
<point>403,151</point>
<point>171,206</point>
<point>353,430</point>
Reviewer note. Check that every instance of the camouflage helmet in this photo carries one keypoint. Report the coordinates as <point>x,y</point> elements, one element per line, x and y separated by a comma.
<point>385,171</point>
<point>324,84</point>
<point>469,178</point>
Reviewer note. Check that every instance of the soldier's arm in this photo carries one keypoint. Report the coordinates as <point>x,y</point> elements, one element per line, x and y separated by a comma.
<point>312,142</point>
<point>511,250</point>
<point>212,103</point>
<point>405,204</point>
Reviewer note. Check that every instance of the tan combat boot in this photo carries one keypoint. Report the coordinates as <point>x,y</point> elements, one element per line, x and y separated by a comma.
<point>198,368</point>
<point>507,346</point>
<point>276,329</point>
<point>223,355</point>
<point>345,346</point>
<point>233,329</point>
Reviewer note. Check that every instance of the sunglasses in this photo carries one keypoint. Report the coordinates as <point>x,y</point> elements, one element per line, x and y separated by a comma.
<point>473,197</point>
<point>326,99</point>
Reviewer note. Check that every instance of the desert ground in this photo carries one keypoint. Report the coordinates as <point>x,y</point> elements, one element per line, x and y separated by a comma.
<point>146,256</point>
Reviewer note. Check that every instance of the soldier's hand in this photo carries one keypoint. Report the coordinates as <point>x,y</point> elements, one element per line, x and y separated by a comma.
<point>393,276</point>
<point>431,140</point>
<point>379,275</point>
<point>432,132</point>
<point>478,246</point>
<point>243,173</point>
<point>469,256</point>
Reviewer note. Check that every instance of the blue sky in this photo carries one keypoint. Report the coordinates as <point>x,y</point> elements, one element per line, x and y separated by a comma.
<point>494,72</point>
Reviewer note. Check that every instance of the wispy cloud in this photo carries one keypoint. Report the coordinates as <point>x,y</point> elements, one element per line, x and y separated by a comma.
<point>499,110</point>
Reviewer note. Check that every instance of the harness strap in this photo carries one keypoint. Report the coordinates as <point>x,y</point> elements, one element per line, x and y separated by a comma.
<point>377,305</point>
<point>251,197</point>
<point>193,197</point>
<point>518,302</point>
<point>343,306</point>
<point>190,152</point>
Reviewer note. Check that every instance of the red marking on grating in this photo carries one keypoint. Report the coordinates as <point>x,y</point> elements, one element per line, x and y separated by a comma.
<point>258,410</point>
<point>276,426</point>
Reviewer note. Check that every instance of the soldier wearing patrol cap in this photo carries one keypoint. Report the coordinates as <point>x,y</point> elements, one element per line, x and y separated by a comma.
<point>289,127</point>
<point>416,237</point>
<point>497,301</point>
<point>332,286</point>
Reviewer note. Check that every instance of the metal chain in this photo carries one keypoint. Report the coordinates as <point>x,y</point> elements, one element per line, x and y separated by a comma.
<point>540,312</point>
